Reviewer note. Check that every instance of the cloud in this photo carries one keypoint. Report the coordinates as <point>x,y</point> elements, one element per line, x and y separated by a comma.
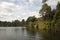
<point>53,2</point>
<point>21,9</point>
<point>10,11</point>
<point>6,11</point>
<point>6,8</point>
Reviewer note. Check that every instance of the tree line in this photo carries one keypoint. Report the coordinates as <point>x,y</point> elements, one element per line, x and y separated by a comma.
<point>12,24</point>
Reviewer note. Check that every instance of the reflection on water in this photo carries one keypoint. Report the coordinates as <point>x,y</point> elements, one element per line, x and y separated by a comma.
<point>20,33</point>
<point>50,35</point>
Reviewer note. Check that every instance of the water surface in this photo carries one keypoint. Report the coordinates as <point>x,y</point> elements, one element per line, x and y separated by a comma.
<point>20,33</point>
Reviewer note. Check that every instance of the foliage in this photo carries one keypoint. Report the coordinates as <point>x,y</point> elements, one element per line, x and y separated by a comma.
<point>50,18</point>
<point>32,19</point>
<point>44,1</point>
<point>12,24</point>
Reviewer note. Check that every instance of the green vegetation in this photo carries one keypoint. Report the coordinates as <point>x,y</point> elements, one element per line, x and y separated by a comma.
<point>12,24</point>
<point>50,19</point>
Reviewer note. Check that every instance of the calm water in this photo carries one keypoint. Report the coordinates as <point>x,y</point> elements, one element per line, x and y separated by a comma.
<point>20,33</point>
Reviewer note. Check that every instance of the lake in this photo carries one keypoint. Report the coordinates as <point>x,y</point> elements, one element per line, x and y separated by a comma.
<point>21,33</point>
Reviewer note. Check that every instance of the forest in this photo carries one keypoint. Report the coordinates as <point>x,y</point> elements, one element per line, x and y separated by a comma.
<point>50,19</point>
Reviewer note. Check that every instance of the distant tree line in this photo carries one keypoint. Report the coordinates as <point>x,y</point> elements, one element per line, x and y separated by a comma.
<point>15,23</point>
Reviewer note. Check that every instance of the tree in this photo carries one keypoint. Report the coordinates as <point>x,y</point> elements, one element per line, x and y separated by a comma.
<point>44,1</point>
<point>23,20</point>
<point>45,11</point>
<point>23,23</point>
<point>16,23</point>
<point>32,19</point>
<point>58,6</point>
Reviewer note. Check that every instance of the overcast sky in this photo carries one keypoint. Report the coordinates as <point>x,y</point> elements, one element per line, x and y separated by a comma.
<point>21,9</point>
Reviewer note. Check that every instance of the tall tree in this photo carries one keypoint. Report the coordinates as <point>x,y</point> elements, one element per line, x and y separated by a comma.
<point>45,11</point>
<point>44,1</point>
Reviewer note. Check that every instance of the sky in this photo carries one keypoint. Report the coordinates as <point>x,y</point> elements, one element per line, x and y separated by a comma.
<point>21,9</point>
